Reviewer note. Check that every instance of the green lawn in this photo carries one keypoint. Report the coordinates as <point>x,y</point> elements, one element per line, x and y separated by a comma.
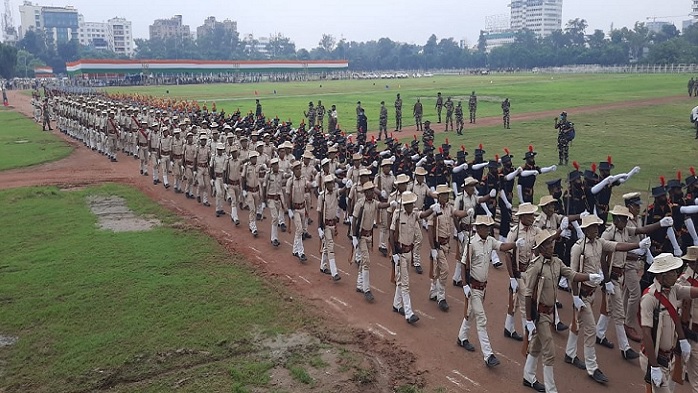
<point>93,307</point>
<point>22,143</point>
<point>659,139</point>
<point>527,93</point>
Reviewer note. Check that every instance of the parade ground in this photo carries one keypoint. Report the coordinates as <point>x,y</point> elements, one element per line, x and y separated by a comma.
<point>111,283</point>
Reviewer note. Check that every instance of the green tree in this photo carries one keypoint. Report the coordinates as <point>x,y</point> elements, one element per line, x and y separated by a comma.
<point>8,60</point>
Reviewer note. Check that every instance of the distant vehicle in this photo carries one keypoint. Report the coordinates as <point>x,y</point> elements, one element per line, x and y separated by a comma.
<point>428,75</point>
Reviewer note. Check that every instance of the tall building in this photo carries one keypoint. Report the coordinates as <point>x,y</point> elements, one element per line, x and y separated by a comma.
<point>166,28</point>
<point>694,10</point>
<point>94,34</point>
<point>540,16</point>
<point>211,23</point>
<point>121,35</point>
<point>59,23</point>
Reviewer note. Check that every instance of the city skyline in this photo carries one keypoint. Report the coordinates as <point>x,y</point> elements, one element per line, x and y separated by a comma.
<point>402,21</point>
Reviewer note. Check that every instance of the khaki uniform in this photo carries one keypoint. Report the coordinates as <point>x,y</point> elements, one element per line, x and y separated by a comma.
<point>295,188</point>
<point>523,258</point>
<point>274,186</point>
<point>218,164</point>
<point>142,139</point>
<point>590,263</point>
<point>385,183</point>
<point>421,191</point>
<point>166,158</point>
<point>189,168</point>
<point>309,173</point>
<point>463,202</point>
<point>480,251</point>
<point>112,136</point>
<point>203,157</point>
<point>443,225</point>
<point>543,277</point>
<point>178,161</point>
<point>234,169</point>
<point>330,202</point>
<point>666,334</point>
<point>153,156</point>
<point>407,226</point>
<point>252,189</point>
<point>634,268</point>
<point>370,211</point>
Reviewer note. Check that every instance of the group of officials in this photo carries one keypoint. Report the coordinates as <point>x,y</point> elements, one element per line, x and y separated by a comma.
<point>568,240</point>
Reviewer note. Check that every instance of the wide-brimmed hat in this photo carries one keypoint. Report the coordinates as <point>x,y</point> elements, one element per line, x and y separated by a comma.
<point>484,220</point>
<point>542,236</point>
<point>328,179</point>
<point>420,171</point>
<point>691,254</point>
<point>274,160</point>
<point>469,181</point>
<point>443,189</point>
<point>364,172</point>
<point>286,145</point>
<point>590,220</point>
<point>546,200</point>
<point>402,179</point>
<point>308,154</point>
<point>357,156</point>
<point>324,161</point>
<point>386,162</point>
<point>619,210</point>
<point>665,262</point>
<point>295,164</point>
<point>220,146</point>
<point>526,208</point>
<point>253,154</point>
<point>367,186</point>
<point>408,197</point>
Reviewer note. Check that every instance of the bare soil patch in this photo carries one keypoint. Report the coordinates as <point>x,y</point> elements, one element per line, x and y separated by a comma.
<point>114,215</point>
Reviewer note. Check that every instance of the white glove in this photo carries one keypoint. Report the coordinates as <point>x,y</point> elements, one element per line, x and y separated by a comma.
<point>212,182</point>
<point>666,222</point>
<point>424,224</point>
<point>349,183</point>
<point>595,278</point>
<point>610,289</point>
<point>466,291</point>
<point>375,164</point>
<point>384,194</point>
<point>578,303</point>
<point>513,284</point>
<point>461,237</point>
<point>566,233</point>
<point>195,173</point>
<point>656,375</point>
<point>158,161</point>
<point>685,349</point>
<point>645,243</point>
<point>396,259</point>
<point>436,208</point>
<point>226,186</point>
<point>434,253</point>
<point>471,212</point>
<point>290,214</point>
<point>354,241</point>
<point>393,204</point>
<point>313,184</point>
<point>520,243</point>
<point>493,193</point>
<point>531,327</point>
<point>321,233</point>
<point>583,214</point>
<point>244,193</point>
<point>565,223</point>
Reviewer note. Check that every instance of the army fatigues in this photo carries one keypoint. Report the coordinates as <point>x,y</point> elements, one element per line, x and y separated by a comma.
<point>472,106</point>
<point>506,108</point>
<point>439,106</point>
<point>320,116</point>
<point>459,119</point>
<point>563,142</point>
<point>449,113</point>
<point>417,112</point>
<point>383,122</point>
<point>398,114</point>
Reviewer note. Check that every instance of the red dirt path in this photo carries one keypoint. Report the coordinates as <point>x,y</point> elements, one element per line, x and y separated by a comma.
<point>432,340</point>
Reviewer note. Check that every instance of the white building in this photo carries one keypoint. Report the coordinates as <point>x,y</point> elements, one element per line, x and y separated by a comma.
<point>540,16</point>
<point>29,18</point>
<point>122,36</point>
<point>94,34</point>
<point>59,23</point>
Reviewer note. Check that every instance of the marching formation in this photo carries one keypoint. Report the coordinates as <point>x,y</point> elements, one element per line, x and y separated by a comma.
<point>473,213</point>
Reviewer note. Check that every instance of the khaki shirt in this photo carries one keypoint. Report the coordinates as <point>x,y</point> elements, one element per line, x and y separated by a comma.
<point>421,191</point>
<point>525,253</point>
<point>249,172</point>
<point>649,303</point>
<point>295,188</point>
<point>218,163</point>
<point>331,202</point>
<point>189,154</point>
<point>444,226</point>
<point>683,281</point>
<point>592,256</point>
<point>395,196</point>
<point>613,234</point>
<point>384,182</point>
<point>308,171</point>
<point>178,146</point>
<point>202,155</point>
<point>370,209</point>
<point>548,222</point>
<point>274,183</point>
<point>285,166</point>
<point>480,255</point>
<point>353,174</point>
<point>234,167</point>
<point>166,145</point>
<point>154,140</point>
<point>408,225</point>
<point>467,202</point>
<point>546,273</point>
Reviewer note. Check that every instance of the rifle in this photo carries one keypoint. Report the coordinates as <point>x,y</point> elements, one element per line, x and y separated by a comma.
<point>467,271</point>
<point>321,222</point>
<point>436,245</point>
<point>397,247</point>
<point>574,328</point>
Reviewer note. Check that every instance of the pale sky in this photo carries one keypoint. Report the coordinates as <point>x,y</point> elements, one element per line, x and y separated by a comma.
<point>411,21</point>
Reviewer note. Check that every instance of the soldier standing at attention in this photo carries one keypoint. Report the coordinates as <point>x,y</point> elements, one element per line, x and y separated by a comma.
<point>506,107</point>
<point>320,115</point>
<point>439,105</point>
<point>383,121</point>
<point>258,110</point>
<point>449,113</point>
<point>332,115</point>
<point>398,113</point>
<point>459,119</point>
<point>46,112</point>
<point>359,112</point>
<point>472,106</point>
<point>564,128</point>
<point>217,168</point>
<point>541,296</point>
<point>691,83</point>
<point>310,115</point>
<point>417,112</point>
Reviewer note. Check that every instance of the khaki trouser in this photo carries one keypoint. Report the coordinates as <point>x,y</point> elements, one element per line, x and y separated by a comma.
<point>438,284</point>
<point>520,300</point>
<point>362,281</point>
<point>220,193</point>
<point>234,192</point>
<point>542,341</point>
<point>299,223</point>
<point>382,228</point>
<point>166,166</point>
<point>417,252</point>
<point>202,178</point>
<point>177,172</point>
<point>632,292</point>
<point>253,201</point>
<point>667,385</point>
<point>476,311</point>
<point>402,285</point>
<point>156,166</point>
<point>188,179</point>
<point>275,209</point>
<point>587,326</point>
<point>328,250</point>
<point>111,146</point>
<point>692,366</point>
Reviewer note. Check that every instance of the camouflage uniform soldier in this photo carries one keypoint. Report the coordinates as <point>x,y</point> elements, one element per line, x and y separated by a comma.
<point>439,105</point>
<point>417,113</point>
<point>563,143</point>
<point>449,113</point>
<point>320,115</point>
<point>359,111</point>
<point>472,106</point>
<point>506,106</point>
<point>383,123</point>
<point>459,119</point>
<point>691,83</point>
<point>398,113</point>
<point>310,114</point>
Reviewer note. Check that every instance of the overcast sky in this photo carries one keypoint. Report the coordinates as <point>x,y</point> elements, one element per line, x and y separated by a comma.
<point>411,21</point>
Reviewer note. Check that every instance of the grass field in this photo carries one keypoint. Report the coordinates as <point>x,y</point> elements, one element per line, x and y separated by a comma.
<point>527,93</point>
<point>22,143</point>
<point>92,307</point>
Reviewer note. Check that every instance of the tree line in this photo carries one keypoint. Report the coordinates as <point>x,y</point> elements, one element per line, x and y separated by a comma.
<point>570,45</point>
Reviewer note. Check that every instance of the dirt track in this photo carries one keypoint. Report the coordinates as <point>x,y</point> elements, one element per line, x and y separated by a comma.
<point>432,340</point>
